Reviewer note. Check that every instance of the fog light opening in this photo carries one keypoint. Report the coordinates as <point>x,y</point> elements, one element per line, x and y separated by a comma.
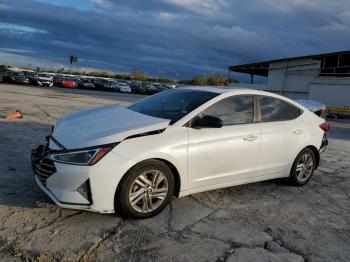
<point>85,190</point>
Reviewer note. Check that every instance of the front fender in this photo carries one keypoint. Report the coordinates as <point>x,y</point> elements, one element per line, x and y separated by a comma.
<point>171,145</point>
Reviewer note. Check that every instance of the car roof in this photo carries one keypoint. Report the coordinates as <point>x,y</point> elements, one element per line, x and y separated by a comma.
<point>227,90</point>
<point>205,89</point>
<point>231,91</point>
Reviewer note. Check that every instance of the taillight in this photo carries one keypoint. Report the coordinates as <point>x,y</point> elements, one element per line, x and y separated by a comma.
<point>325,127</point>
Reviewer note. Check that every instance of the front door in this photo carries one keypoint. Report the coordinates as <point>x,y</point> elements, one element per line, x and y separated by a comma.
<point>229,153</point>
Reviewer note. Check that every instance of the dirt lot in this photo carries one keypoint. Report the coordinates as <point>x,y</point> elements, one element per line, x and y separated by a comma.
<point>266,221</point>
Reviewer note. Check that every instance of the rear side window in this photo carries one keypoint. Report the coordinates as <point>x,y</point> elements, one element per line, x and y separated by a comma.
<point>233,111</point>
<point>273,109</point>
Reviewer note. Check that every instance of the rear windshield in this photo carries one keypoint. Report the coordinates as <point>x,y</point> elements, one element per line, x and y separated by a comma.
<point>172,104</point>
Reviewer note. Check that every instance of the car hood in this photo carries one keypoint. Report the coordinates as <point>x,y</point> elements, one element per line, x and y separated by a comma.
<point>103,125</point>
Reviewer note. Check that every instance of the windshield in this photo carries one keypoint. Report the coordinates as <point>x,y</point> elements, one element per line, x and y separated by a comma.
<point>172,104</point>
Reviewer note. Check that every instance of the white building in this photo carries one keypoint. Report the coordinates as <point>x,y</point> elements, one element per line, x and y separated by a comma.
<point>323,77</point>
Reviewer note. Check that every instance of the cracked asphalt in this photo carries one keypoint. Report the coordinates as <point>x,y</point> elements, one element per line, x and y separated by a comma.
<point>267,221</point>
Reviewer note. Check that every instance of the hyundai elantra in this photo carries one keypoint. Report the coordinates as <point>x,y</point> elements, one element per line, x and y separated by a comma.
<point>178,142</point>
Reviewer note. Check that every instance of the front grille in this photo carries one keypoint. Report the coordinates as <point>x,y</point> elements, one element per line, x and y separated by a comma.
<point>42,166</point>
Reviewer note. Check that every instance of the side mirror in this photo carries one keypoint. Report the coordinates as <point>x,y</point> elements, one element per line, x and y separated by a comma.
<point>207,122</point>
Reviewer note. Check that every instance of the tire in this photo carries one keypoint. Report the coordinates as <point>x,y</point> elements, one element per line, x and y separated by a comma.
<point>137,199</point>
<point>303,168</point>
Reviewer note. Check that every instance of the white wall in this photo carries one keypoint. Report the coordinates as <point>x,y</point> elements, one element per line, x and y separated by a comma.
<point>332,91</point>
<point>300,79</point>
<point>292,77</point>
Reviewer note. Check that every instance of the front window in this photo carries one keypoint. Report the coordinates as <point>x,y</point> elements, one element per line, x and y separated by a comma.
<point>172,104</point>
<point>233,111</point>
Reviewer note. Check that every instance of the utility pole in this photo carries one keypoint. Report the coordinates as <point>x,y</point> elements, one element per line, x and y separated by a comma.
<point>157,73</point>
<point>228,76</point>
<point>73,59</point>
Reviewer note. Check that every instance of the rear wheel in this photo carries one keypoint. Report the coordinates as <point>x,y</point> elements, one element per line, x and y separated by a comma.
<point>145,190</point>
<point>303,167</point>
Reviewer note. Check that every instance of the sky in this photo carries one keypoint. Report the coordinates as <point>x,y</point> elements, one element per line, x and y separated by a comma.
<point>172,37</point>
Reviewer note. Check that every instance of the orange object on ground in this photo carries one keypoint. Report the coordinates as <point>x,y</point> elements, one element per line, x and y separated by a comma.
<point>17,114</point>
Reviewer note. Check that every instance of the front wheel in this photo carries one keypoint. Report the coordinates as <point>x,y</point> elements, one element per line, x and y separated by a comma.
<point>303,168</point>
<point>145,190</point>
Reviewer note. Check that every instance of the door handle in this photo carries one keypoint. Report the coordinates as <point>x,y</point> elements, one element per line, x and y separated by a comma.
<point>298,131</point>
<point>250,138</point>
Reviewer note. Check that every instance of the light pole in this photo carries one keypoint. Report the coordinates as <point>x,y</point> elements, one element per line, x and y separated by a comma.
<point>157,73</point>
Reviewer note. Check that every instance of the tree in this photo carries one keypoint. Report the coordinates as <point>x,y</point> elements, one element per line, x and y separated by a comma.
<point>137,74</point>
<point>216,80</point>
<point>213,80</point>
<point>235,81</point>
<point>60,70</point>
<point>200,81</point>
<point>4,67</point>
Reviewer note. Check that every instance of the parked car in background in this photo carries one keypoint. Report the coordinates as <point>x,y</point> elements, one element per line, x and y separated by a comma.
<point>86,83</point>
<point>162,88</point>
<point>16,78</point>
<point>124,87</point>
<point>33,78</point>
<point>103,84</point>
<point>57,78</point>
<point>7,76</point>
<point>114,86</point>
<point>151,88</point>
<point>1,76</point>
<point>43,79</point>
<point>67,83</point>
<point>176,143</point>
<point>135,87</point>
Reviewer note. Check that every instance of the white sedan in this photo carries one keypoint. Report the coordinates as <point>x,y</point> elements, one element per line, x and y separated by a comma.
<point>182,141</point>
<point>124,88</point>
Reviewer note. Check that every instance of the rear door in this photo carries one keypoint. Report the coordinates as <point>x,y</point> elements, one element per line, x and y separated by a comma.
<point>282,135</point>
<point>229,153</point>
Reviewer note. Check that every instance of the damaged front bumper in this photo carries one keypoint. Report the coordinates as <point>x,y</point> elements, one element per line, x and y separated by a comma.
<point>90,188</point>
<point>67,191</point>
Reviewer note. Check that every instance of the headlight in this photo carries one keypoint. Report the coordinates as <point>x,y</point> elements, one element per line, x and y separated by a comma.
<point>81,157</point>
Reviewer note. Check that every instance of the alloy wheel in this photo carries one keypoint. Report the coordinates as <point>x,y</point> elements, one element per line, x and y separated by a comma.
<point>304,167</point>
<point>148,191</point>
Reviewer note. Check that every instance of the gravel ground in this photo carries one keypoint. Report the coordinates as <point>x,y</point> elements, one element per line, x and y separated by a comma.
<point>267,221</point>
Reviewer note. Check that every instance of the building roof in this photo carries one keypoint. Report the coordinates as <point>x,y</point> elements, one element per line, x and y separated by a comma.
<point>262,68</point>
